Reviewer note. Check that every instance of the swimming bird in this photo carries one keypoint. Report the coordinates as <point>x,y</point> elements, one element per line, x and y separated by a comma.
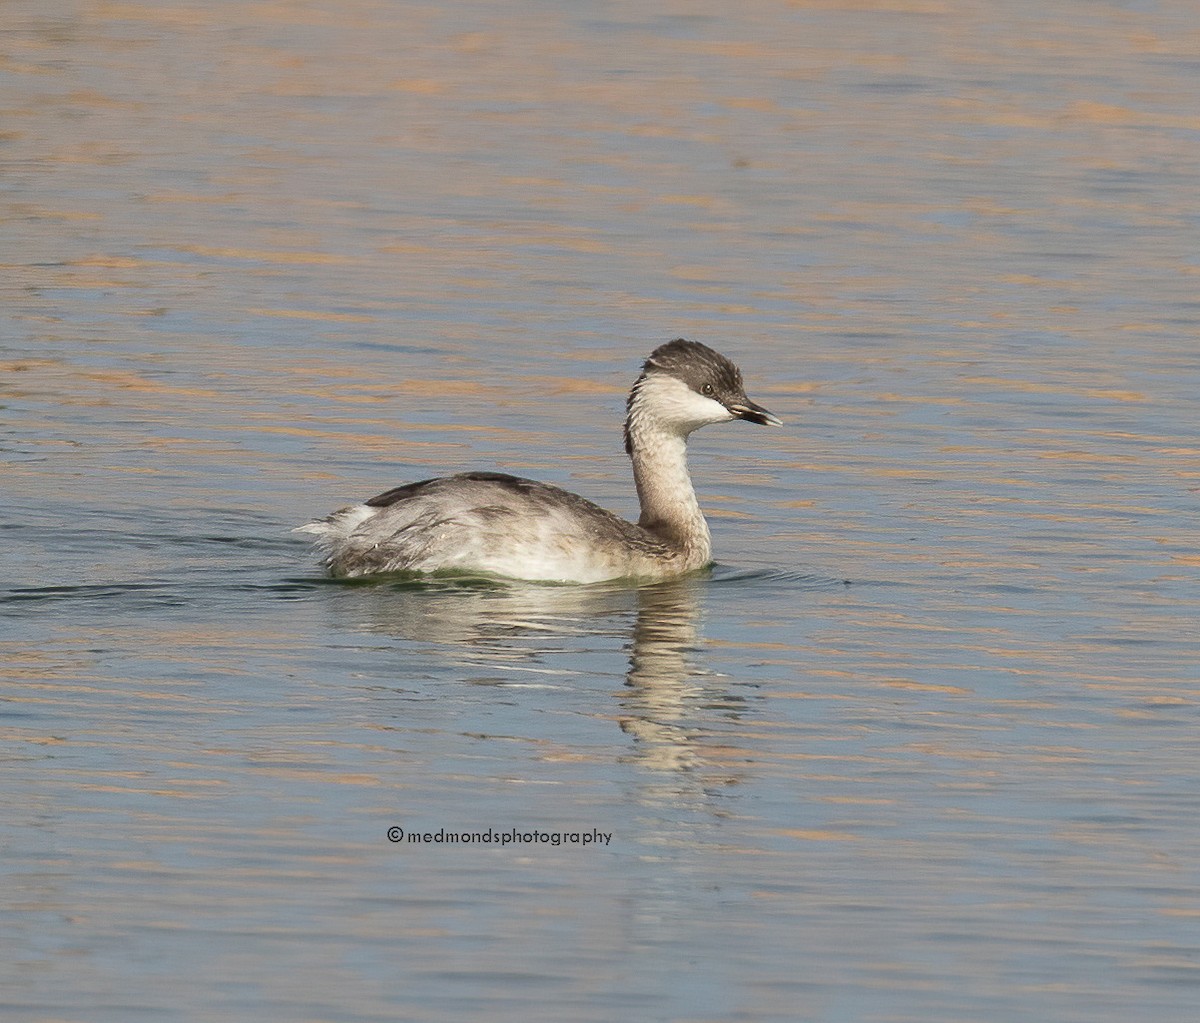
<point>494,524</point>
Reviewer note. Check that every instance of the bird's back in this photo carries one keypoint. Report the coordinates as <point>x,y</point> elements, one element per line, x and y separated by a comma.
<point>490,523</point>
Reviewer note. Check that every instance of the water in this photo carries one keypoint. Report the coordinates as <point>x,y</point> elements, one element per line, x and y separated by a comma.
<point>923,747</point>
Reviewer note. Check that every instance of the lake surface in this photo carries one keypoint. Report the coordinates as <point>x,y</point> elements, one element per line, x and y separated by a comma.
<point>924,747</point>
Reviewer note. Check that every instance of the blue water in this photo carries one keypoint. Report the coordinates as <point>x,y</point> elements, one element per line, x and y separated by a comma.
<point>921,747</point>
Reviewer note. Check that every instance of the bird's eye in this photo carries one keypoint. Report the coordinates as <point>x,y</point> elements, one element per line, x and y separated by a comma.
<point>707,389</point>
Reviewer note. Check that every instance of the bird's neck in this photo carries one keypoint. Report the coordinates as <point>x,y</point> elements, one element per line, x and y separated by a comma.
<point>669,507</point>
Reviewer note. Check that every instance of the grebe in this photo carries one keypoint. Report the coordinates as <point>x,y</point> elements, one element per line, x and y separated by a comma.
<point>495,524</point>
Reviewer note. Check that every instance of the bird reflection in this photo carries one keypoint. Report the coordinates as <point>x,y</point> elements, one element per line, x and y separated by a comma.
<point>663,677</point>
<point>530,635</point>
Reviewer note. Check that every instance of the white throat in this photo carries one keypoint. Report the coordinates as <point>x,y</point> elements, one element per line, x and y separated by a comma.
<point>663,412</point>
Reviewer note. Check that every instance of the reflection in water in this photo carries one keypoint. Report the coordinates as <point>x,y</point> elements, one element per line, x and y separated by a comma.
<point>254,252</point>
<point>661,673</point>
<point>482,620</point>
<point>505,628</point>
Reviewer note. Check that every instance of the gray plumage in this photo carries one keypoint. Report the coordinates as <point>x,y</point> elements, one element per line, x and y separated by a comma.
<point>496,524</point>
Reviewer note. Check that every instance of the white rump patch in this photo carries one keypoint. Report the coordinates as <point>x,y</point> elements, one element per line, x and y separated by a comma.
<point>339,525</point>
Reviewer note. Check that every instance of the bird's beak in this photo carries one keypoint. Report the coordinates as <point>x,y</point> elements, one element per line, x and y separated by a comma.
<point>753,413</point>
